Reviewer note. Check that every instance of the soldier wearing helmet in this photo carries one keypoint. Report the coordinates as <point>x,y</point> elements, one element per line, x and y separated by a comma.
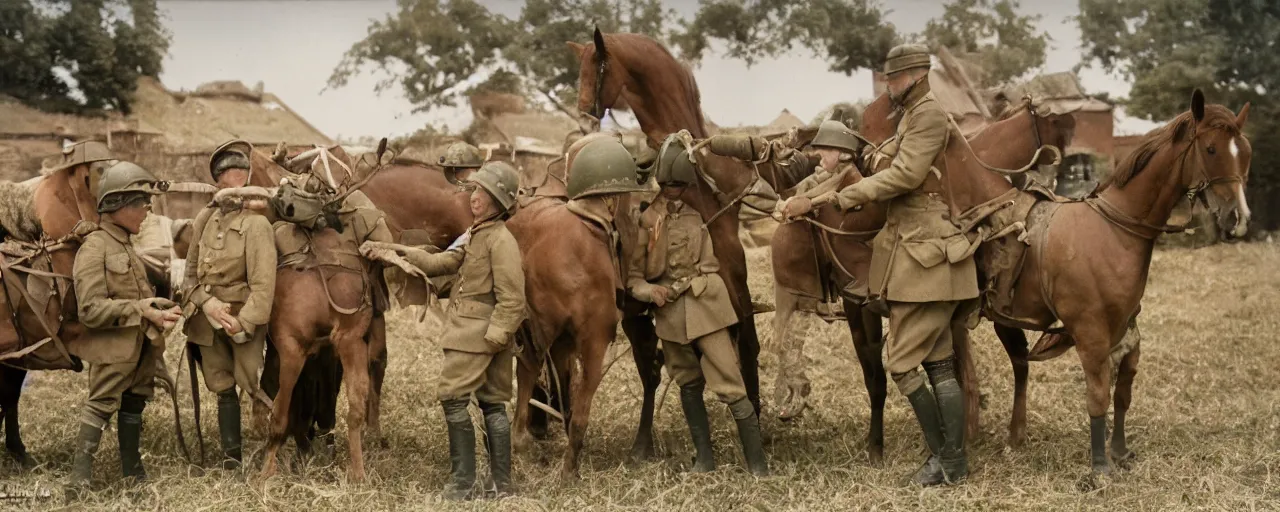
<point>922,268</point>
<point>675,268</point>
<point>602,174</point>
<point>125,321</point>
<point>459,160</point>
<point>486,306</point>
<point>232,268</point>
<point>835,146</point>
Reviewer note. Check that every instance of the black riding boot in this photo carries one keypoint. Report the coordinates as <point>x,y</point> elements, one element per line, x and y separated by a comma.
<point>744,413</point>
<point>129,432</point>
<point>951,406</point>
<point>926,409</point>
<point>82,461</point>
<point>229,428</point>
<point>498,440</point>
<point>462,449</point>
<point>695,414</point>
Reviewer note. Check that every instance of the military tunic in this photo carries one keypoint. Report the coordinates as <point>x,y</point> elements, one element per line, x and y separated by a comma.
<point>233,260</point>
<point>110,282</point>
<point>922,264</point>
<point>487,302</point>
<point>675,253</point>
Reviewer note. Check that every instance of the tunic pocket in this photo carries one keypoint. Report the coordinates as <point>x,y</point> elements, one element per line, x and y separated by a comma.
<point>928,253</point>
<point>118,263</point>
<point>474,309</point>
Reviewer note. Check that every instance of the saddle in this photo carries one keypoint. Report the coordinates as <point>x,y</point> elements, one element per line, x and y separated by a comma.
<point>33,294</point>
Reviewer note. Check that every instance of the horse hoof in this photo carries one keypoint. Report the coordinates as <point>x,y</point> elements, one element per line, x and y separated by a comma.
<point>875,457</point>
<point>1124,459</point>
<point>641,455</point>
<point>1096,480</point>
<point>24,460</point>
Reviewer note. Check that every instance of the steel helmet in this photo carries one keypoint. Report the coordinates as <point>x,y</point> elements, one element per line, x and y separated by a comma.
<point>603,166</point>
<point>462,155</point>
<point>85,152</point>
<point>233,154</point>
<point>125,181</point>
<point>834,134</point>
<point>500,180</point>
<point>673,165</point>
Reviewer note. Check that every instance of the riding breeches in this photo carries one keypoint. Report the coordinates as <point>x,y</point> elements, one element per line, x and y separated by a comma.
<point>226,363</point>
<point>718,364</point>
<point>487,375</point>
<point>107,382</point>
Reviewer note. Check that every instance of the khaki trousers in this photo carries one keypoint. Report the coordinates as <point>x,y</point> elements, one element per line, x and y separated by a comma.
<point>487,375</point>
<point>107,382</point>
<point>718,365</point>
<point>226,363</point>
<point>921,332</point>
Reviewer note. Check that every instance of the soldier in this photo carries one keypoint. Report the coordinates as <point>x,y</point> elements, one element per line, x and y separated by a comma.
<point>232,264</point>
<point>922,264</point>
<point>459,160</point>
<point>600,175</point>
<point>125,321</point>
<point>674,267</point>
<point>486,306</point>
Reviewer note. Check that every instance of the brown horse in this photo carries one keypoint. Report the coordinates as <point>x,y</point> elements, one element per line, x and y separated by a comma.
<point>798,267</point>
<point>638,71</point>
<point>1087,262</point>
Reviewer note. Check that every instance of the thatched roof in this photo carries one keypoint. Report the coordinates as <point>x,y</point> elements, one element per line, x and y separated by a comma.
<point>216,112</point>
<point>1058,92</point>
<point>785,121</point>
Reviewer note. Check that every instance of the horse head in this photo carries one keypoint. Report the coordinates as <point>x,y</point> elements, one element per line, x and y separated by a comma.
<point>597,88</point>
<point>1225,155</point>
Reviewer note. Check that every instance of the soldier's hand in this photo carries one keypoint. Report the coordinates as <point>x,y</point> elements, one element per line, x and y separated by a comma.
<point>796,206</point>
<point>660,295</point>
<point>163,318</point>
<point>221,312</point>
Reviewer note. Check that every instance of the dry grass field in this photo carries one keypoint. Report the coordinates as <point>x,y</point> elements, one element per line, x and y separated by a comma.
<point>1204,424</point>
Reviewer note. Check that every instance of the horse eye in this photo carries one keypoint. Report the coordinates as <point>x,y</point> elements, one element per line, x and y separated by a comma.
<point>1212,150</point>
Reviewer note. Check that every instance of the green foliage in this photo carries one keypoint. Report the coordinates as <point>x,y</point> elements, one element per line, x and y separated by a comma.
<point>104,46</point>
<point>1003,43</point>
<point>1168,48</point>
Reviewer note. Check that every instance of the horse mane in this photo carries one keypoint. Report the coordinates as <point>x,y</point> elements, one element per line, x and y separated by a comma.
<point>648,58</point>
<point>1155,141</point>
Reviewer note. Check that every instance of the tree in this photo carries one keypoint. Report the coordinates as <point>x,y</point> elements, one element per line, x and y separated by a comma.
<point>1003,43</point>
<point>103,46</point>
<point>1228,48</point>
<point>434,48</point>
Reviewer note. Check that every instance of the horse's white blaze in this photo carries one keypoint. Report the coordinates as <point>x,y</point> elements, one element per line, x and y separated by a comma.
<point>1233,148</point>
<point>1242,219</point>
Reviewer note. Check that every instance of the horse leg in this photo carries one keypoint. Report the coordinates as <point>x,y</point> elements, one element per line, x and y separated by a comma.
<point>10,393</point>
<point>1124,396</point>
<point>1093,345</point>
<point>354,354</point>
<point>591,360</point>
<point>644,350</point>
<point>526,380</point>
<point>292,357</point>
<point>868,343</point>
<point>1015,344</point>
<point>377,339</point>
<point>791,390</point>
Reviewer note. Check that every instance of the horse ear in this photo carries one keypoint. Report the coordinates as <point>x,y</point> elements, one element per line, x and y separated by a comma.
<point>576,48</point>
<point>1197,105</point>
<point>601,53</point>
<point>1242,116</point>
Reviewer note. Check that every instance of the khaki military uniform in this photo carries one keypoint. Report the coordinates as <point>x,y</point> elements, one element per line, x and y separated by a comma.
<point>234,260</point>
<point>675,252</point>
<point>109,282</point>
<point>487,302</point>
<point>922,264</point>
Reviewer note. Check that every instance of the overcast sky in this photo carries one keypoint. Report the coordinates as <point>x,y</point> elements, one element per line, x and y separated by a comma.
<point>293,45</point>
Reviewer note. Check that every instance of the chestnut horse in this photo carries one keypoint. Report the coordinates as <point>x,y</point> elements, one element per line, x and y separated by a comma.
<point>638,71</point>
<point>1087,262</point>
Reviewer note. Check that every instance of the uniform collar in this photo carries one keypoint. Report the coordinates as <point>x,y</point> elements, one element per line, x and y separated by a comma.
<point>917,94</point>
<point>115,231</point>
<point>477,227</point>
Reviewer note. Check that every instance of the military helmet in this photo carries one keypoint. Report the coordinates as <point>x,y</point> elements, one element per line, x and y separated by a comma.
<point>500,180</point>
<point>906,56</point>
<point>124,182</point>
<point>834,134</point>
<point>462,155</point>
<point>85,152</point>
<point>673,165</point>
<point>233,154</point>
<point>603,166</point>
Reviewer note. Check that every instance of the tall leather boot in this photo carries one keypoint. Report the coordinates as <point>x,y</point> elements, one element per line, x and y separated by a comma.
<point>82,462</point>
<point>926,408</point>
<point>229,429</point>
<point>695,414</point>
<point>498,440</point>
<point>744,413</point>
<point>955,465</point>
<point>129,432</point>
<point>462,450</point>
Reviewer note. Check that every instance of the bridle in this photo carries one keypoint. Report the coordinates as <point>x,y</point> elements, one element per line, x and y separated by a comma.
<point>601,67</point>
